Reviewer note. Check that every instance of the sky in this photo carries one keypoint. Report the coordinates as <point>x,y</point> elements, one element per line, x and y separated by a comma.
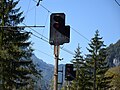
<point>84,18</point>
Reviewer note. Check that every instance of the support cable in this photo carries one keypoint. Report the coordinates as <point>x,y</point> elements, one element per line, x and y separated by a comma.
<point>45,8</point>
<point>44,53</point>
<point>70,27</point>
<point>40,38</point>
<point>45,23</point>
<point>27,9</point>
<point>35,16</point>
<point>42,6</point>
<point>9,29</point>
<point>117,2</point>
<point>48,43</point>
<point>79,34</point>
<point>35,31</point>
<point>47,38</point>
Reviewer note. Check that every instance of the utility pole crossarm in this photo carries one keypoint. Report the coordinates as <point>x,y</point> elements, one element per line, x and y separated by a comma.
<point>22,26</point>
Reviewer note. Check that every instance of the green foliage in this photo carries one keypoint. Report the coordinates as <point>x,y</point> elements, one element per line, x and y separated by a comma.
<point>97,64</point>
<point>16,66</point>
<point>90,71</point>
<point>80,81</point>
<point>115,82</point>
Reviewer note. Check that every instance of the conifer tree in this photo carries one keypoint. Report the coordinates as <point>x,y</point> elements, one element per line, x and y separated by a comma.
<point>17,68</point>
<point>97,64</point>
<point>80,81</point>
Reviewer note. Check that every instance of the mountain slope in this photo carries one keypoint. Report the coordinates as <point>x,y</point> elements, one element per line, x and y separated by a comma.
<point>47,73</point>
<point>115,82</point>
<point>113,52</point>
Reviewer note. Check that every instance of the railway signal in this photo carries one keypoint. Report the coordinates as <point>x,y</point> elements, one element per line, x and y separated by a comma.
<point>59,33</point>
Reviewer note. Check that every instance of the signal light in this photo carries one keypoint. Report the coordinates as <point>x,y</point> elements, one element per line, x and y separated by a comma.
<point>69,73</point>
<point>59,23</point>
<point>57,18</point>
<point>57,26</point>
<point>59,33</point>
<point>67,31</point>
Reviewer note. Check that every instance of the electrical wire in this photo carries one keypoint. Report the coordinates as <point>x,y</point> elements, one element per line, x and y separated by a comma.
<point>45,8</point>
<point>27,9</point>
<point>35,16</point>
<point>46,39</point>
<point>67,51</point>
<point>117,2</point>
<point>9,29</point>
<point>44,53</point>
<point>40,38</point>
<point>48,43</point>
<point>35,31</point>
<point>31,8</point>
<point>70,27</point>
<point>45,23</point>
<point>79,34</point>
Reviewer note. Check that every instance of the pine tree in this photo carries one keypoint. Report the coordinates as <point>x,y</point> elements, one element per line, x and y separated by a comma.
<point>17,68</point>
<point>97,64</point>
<point>80,81</point>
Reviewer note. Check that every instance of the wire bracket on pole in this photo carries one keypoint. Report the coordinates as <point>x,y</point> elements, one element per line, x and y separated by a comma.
<point>60,59</point>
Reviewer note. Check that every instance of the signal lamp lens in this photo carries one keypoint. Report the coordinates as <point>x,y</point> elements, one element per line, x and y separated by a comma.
<point>57,18</point>
<point>56,25</point>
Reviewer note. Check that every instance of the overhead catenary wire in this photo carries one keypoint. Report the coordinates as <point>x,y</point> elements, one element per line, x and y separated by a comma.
<point>46,39</point>
<point>36,31</point>
<point>70,27</point>
<point>45,23</point>
<point>43,6</point>
<point>30,10</point>
<point>48,43</point>
<point>67,50</point>
<point>117,2</point>
<point>35,16</point>
<point>27,9</point>
<point>38,3</point>
<point>39,34</point>
<point>40,38</point>
<point>44,53</point>
<point>9,29</point>
<point>80,34</point>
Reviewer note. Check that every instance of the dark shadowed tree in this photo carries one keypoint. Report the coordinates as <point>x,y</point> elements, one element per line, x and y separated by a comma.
<point>16,67</point>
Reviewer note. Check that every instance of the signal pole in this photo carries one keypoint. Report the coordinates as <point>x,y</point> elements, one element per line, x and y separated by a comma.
<point>59,34</point>
<point>56,53</point>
